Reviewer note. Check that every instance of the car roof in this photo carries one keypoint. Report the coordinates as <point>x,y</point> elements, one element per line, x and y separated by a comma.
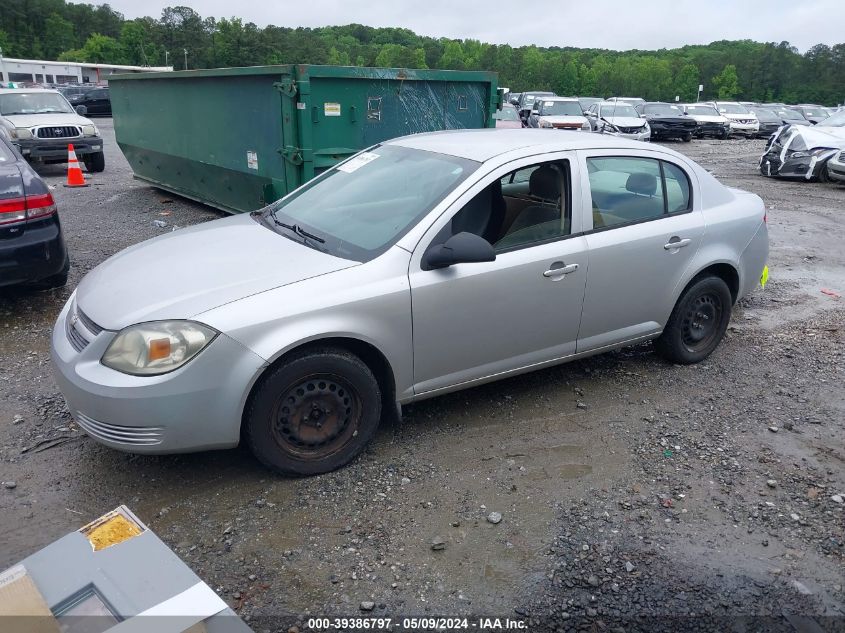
<point>484,144</point>
<point>561,99</point>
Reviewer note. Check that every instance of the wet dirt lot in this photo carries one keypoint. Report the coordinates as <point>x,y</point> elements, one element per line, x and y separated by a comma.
<point>635,495</point>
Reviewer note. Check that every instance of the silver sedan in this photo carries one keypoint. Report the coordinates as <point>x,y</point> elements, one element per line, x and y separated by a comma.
<point>423,265</point>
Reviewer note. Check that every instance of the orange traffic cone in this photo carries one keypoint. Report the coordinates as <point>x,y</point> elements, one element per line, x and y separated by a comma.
<point>74,173</point>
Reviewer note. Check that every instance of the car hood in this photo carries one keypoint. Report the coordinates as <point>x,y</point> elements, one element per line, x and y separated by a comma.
<point>707,118</point>
<point>60,118</point>
<point>668,118</point>
<point>192,270</point>
<point>564,118</point>
<point>625,121</point>
<point>739,117</point>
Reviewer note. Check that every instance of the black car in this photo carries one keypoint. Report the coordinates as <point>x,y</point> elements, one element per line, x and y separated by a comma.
<point>770,122</point>
<point>32,248</point>
<point>526,102</point>
<point>96,101</point>
<point>667,121</point>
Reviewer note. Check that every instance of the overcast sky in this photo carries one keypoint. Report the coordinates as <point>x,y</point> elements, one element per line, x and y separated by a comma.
<point>616,24</point>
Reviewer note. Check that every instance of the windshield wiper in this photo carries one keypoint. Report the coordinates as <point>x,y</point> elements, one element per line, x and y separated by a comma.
<point>299,231</point>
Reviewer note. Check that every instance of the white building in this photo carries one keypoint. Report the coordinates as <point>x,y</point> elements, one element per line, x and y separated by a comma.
<point>41,72</point>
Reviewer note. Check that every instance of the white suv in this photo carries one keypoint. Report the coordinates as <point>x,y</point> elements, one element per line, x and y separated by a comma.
<point>743,121</point>
<point>42,123</point>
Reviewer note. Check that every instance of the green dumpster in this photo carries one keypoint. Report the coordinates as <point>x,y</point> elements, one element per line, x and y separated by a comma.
<point>240,138</point>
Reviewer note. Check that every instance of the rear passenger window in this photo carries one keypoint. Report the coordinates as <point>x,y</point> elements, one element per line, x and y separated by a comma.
<point>677,188</point>
<point>629,189</point>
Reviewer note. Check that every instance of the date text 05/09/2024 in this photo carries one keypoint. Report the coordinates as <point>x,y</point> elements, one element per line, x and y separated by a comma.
<point>413,624</point>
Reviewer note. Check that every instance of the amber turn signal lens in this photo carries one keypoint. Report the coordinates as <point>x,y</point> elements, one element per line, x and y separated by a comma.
<point>159,348</point>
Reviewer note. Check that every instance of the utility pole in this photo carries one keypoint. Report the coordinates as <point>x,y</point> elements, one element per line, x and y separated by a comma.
<point>700,88</point>
<point>165,58</point>
<point>185,50</point>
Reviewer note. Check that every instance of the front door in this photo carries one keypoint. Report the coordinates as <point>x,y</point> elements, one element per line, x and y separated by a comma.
<point>476,320</point>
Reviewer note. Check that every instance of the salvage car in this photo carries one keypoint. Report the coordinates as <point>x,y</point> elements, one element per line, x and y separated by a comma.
<point>507,117</point>
<point>803,152</point>
<point>380,282</point>
<point>743,121</point>
<point>667,120</point>
<point>708,120</point>
<point>618,119</point>
<point>768,121</point>
<point>41,124</point>
<point>559,113</point>
<point>526,103</point>
<point>791,116</point>
<point>813,113</point>
<point>97,101</point>
<point>32,247</point>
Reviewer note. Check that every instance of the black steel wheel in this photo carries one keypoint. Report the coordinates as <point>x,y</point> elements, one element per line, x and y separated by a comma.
<point>313,413</point>
<point>698,321</point>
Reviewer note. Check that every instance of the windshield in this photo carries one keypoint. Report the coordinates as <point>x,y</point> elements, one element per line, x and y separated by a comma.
<point>663,109</point>
<point>791,115</point>
<point>733,108</point>
<point>619,109</point>
<point>568,108</point>
<point>33,103</point>
<point>702,110</point>
<point>834,120</point>
<point>506,114</point>
<point>766,115</point>
<point>361,208</point>
<point>815,112</point>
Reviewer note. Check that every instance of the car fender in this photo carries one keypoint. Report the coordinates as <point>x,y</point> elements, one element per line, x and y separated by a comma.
<point>370,303</point>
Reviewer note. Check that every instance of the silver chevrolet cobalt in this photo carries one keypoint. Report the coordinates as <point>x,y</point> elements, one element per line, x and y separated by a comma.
<point>423,265</point>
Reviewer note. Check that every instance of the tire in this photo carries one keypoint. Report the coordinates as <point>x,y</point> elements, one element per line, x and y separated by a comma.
<point>697,323</point>
<point>94,163</point>
<point>285,418</point>
<point>686,138</point>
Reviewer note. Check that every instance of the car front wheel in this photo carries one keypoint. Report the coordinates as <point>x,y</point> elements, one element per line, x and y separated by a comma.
<point>698,322</point>
<point>313,413</point>
<point>95,163</point>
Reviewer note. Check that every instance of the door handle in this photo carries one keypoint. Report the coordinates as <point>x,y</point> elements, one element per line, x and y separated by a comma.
<point>676,242</point>
<point>559,272</point>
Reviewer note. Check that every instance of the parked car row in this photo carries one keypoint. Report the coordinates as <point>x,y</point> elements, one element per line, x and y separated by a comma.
<point>716,119</point>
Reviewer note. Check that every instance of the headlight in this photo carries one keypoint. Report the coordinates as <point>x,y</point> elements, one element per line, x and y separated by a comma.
<point>149,349</point>
<point>21,133</point>
<point>90,130</point>
<point>609,127</point>
<point>586,126</point>
<point>544,123</point>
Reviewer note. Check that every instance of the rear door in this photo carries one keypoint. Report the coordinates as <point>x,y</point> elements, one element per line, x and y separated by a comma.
<point>647,225</point>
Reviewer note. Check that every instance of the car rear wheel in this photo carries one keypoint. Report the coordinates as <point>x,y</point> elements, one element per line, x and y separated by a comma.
<point>313,413</point>
<point>687,138</point>
<point>94,163</point>
<point>698,322</point>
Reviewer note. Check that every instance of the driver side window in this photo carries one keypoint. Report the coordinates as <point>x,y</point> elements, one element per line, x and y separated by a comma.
<point>526,206</point>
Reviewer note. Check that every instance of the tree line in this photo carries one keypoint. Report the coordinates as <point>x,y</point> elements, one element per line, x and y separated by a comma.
<point>747,70</point>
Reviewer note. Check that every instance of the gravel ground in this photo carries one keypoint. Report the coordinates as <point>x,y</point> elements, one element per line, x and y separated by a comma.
<point>631,495</point>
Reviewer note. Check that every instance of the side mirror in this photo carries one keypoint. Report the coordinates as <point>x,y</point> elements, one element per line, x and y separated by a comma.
<point>81,110</point>
<point>463,248</point>
<point>514,101</point>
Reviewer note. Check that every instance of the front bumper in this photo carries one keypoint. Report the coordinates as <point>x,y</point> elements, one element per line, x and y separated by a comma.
<point>713,129</point>
<point>747,129</point>
<point>636,136</point>
<point>194,408</point>
<point>660,130</point>
<point>37,253</point>
<point>836,168</point>
<point>56,148</point>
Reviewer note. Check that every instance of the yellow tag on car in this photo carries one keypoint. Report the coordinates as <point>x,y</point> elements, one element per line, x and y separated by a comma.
<point>764,277</point>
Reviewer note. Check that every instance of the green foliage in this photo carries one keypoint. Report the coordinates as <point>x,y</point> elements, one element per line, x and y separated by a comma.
<point>740,69</point>
<point>726,83</point>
